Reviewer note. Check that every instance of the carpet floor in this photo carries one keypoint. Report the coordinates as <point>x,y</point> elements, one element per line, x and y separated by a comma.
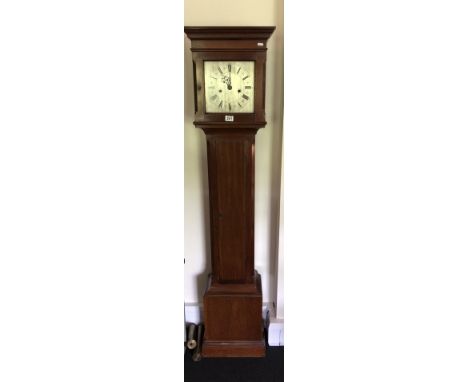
<point>268,369</point>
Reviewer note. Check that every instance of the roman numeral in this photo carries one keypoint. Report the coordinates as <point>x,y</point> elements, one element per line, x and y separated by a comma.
<point>245,97</point>
<point>238,70</point>
<point>239,104</point>
<point>248,87</point>
<point>220,70</point>
<point>220,104</point>
<point>214,78</point>
<point>229,68</point>
<point>213,97</point>
<point>229,107</point>
<point>245,78</point>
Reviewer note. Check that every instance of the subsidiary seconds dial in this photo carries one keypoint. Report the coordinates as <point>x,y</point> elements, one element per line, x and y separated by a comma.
<point>229,86</point>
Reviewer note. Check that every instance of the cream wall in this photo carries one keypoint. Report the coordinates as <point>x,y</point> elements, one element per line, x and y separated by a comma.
<point>268,150</point>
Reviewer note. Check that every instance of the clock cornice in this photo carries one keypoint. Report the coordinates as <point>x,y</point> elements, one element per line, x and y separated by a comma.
<point>229,33</point>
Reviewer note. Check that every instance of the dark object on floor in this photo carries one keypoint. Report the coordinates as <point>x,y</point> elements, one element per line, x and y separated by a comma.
<point>268,369</point>
<point>191,337</point>
<point>197,354</point>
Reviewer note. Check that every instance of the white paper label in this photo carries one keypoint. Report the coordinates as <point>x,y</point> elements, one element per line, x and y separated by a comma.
<point>260,43</point>
<point>229,118</point>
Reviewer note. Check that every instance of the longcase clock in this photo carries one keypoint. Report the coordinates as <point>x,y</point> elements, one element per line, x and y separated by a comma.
<point>229,85</point>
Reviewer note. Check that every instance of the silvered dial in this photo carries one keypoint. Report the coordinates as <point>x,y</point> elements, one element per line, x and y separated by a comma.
<point>229,86</point>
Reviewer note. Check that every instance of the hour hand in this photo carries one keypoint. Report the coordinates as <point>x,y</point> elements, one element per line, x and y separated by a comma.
<point>228,82</point>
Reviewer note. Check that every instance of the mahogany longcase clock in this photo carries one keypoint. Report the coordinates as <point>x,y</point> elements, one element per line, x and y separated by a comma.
<point>229,86</point>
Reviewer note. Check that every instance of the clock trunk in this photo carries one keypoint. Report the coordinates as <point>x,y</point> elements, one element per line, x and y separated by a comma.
<point>231,189</point>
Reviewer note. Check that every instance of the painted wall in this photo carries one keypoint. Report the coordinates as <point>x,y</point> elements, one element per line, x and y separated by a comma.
<point>268,149</point>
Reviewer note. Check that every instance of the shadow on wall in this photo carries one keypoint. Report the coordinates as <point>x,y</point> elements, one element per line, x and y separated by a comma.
<point>201,159</point>
<point>202,278</point>
<point>277,88</point>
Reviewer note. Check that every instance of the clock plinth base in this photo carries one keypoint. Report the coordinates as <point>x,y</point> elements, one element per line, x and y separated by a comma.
<point>233,320</point>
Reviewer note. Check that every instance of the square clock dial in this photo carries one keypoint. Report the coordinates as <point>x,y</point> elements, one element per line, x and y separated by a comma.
<point>229,86</point>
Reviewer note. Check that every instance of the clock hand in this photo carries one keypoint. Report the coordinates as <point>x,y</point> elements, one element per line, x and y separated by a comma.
<point>227,81</point>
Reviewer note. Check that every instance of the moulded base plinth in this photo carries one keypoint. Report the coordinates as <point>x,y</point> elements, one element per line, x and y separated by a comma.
<point>233,320</point>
